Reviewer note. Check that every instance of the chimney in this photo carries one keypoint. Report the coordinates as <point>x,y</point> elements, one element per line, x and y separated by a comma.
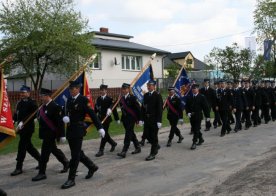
<point>103,30</point>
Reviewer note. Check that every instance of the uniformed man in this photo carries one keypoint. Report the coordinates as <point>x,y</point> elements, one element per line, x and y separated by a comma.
<point>152,109</point>
<point>210,95</point>
<point>196,104</point>
<point>51,127</point>
<point>258,103</point>
<point>103,108</point>
<point>217,120</point>
<point>273,106</point>
<point>229,87</point>
<point>265,102</point>
<point>272,99</point>
<point>24,108</point>
<point>250,98</point>
<point>224,101</point>
<point>131,114</point>
<point>174,115</point>
<point>239,103</point>
<point>76,108</point>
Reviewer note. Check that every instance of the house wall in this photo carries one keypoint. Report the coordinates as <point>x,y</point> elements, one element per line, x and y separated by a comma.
<point>183,61</point>
<point>113,75</point>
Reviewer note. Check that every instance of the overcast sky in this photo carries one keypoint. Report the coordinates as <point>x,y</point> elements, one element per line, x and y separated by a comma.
<point>174,25</point>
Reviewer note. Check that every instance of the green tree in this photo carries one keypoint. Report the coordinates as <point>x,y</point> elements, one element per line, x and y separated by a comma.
<point>43,36</point>
<point>172,70</point>
<point>232,60</point>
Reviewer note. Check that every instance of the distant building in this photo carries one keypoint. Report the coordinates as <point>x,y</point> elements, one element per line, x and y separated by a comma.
<point>250,43</point>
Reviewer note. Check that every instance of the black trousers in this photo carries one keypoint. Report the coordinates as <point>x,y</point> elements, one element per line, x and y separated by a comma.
<point>230,117</point>
<point>25,145</point>
<point>49,146</point>
<point>238,124</point>
<point>196,126</point>
<point>248,122</point>
<point>174,129</point>
<point>151,134</point>
<point>217,119</point>
<point>273,111</point>
<point>107,137</point>
<point>265,112</point>
<point>225,123</point>
<point>77,155</point>
<point>130,136</point>
<point>256,116</point>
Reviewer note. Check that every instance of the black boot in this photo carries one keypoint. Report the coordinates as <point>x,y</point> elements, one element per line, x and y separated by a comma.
<point>99,154</point>
<point>169,143</point>
<point>201,141</point>
<point>122,154</point>
<point>142,142</point>
<point>91,171</point>
<point>65,167</point>
<point>16,172</point>
<point>150,157</point>
<point>136,151</point>
<point>68,184</point>
<point>180,139</point>
<point>193,147</point>
<point>113,147</point>
<point>39,177</point>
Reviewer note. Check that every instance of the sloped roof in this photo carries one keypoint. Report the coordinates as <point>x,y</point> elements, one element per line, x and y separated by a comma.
<point>179,55</point>
<point>125,46</point>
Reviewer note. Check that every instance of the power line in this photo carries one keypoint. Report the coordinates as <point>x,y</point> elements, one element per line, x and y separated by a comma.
<point>206,40</point>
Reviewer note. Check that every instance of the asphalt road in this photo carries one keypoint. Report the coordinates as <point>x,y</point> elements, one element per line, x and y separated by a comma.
<point>238,164</point>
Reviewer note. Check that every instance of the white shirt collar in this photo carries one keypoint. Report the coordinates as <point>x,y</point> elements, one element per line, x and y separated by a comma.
<point>195,95</point>
<point>76,96</point>
<point>103,96</point>
<point>48,102</point>
<point>151,92</point>
<point>126,95</point>
<point>172,96</point>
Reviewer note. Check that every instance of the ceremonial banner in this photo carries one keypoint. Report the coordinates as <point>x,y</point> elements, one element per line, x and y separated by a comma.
<point>182,86</point>
<point>267,49</point>
<point>6,123</point>
<point>139,87</point>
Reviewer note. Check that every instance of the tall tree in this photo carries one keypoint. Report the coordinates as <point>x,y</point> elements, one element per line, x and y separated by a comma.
<point>43,36</point>
<point>232,60</point>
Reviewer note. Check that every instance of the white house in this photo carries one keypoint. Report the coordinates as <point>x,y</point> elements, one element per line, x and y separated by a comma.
<point>120,60</point>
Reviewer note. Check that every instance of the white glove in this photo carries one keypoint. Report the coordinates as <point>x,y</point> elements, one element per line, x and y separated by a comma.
<point>66,119</point>
<point>102,133</point>
<point>180,121</point>
<point>189,115</point>
<point>207,119</point>
<point>108,112</point>
<point>118,122</point>
<point>159,125</point>
<point>19,126</point>
<point>62,140</point>
<point>141,123</point>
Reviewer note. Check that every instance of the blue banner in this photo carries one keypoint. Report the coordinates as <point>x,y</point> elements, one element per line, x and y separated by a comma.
<point>183,87</point>
<point>267,49</point>
<point>139,88</point>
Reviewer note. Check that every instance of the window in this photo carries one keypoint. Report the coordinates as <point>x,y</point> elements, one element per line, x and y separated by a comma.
<point>132,63</point>
<point>97,63</point>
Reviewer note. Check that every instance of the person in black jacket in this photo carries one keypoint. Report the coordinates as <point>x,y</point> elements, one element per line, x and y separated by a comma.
<point>174,115</point>
<point>217,120</point>
<point>24,108</point>
<point>273,104</point>
<point>152,109</point>
<point>229,87</point>
<point>103,108</point>
<point>76,108</point>
<point>250,98</point>
<point>224,100</point>
<point>239,103</point>
<point>196,104</point>
<point>210,95</point>
<point>272,99</point>
<point>258,103</point>
<point>51,127</point>
<point>131,114</point>
<point>265,102</point>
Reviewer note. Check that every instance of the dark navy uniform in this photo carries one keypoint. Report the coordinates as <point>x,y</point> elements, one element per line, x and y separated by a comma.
<point>223,102</point>
<point>131,114</point>
<point>51,127</point>
<point>103,103</point>
<point>217,119</point>
<point>174,114</point>
<point>250,98</point>
<point>77,109</point>
<point>239,103</point>
<point>24,108</point>
<point>258,103</point>
<point>210,95</point>
<point>152,109</point>
<point>196,104</point>
<point>265,104</point>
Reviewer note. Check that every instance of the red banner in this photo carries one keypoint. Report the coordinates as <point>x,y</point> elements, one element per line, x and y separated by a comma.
<point>6,123</point>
